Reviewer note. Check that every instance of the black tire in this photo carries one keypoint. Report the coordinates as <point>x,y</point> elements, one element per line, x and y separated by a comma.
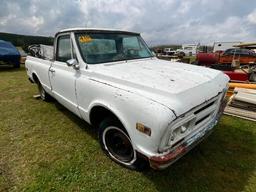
<point>43,94</point>
<point>116,143</point>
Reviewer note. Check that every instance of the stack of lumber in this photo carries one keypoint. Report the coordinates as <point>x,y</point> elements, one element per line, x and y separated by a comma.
<point>244,99</point>
<point>243,102</point>
<point>241,113</point>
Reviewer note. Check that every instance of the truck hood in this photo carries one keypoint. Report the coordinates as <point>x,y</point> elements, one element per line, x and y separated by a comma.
<point>178,86</point>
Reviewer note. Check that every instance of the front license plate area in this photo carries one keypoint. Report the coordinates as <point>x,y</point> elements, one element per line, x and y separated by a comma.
<point>201,133</point>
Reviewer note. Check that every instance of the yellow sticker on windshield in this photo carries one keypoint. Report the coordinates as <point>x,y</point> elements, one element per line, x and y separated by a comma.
<point>85,39</point>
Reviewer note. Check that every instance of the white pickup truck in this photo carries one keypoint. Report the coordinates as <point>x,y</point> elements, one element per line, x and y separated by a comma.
<point>146,110</point>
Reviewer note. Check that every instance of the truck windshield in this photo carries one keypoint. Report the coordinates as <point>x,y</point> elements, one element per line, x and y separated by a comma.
<point>109,47</point>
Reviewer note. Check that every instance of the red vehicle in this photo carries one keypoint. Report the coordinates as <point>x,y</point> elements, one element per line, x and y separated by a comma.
<point>237,76</point>
<point>243,56</point>
<point>244,74</point>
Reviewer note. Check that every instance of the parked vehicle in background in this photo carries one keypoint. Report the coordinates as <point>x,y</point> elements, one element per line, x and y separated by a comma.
<point>188,50</point>
<point>227,60</point>
<point>238,63</point>
<point>9,55</point>
<point>242,56</point>
<point>210,58</point>
<point>169,52</point>
<point>145,109</point>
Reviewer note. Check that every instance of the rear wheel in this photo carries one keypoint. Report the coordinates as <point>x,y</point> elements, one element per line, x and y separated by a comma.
<point>116,143</point>
<point>43,94</point>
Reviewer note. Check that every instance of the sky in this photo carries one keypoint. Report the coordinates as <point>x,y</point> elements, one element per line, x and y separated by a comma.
<point>158,21</point>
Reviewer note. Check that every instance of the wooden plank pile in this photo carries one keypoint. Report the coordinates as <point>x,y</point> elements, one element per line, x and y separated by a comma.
<point>243,102</point>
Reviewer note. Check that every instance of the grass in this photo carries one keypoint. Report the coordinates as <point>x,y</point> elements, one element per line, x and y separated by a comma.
<point>44,147</point>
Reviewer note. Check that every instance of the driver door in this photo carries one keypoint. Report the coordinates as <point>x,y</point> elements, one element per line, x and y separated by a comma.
<point>63,77</point>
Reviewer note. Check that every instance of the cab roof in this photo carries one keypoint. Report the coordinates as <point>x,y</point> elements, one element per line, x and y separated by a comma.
<point>95,30</point>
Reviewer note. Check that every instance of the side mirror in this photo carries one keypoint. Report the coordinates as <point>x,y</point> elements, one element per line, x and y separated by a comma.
<point>72,62</point>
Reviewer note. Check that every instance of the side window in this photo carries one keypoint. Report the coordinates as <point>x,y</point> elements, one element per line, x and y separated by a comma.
<point>228,52</point>
<point>63,48</point>
<point>245,52</point>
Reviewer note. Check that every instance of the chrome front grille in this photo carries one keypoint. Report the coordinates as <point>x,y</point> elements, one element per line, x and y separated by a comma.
<point>196,119</point>
<point>206,112</point>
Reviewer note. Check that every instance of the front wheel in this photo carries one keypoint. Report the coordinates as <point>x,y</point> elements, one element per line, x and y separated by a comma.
<point>116,143</point>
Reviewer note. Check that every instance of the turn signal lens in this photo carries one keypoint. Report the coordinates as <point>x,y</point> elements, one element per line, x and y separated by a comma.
<point>142,128</point>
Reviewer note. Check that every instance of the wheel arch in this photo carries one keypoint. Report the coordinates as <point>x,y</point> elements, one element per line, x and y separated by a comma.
<point>35,77</point>
<point>99,111</point>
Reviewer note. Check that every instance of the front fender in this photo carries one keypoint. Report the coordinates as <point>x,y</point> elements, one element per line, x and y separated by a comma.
<point>135,109</point>
<point>130,108</point>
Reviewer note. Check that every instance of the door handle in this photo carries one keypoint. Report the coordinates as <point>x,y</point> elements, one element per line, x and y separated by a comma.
<point>52,70</point>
